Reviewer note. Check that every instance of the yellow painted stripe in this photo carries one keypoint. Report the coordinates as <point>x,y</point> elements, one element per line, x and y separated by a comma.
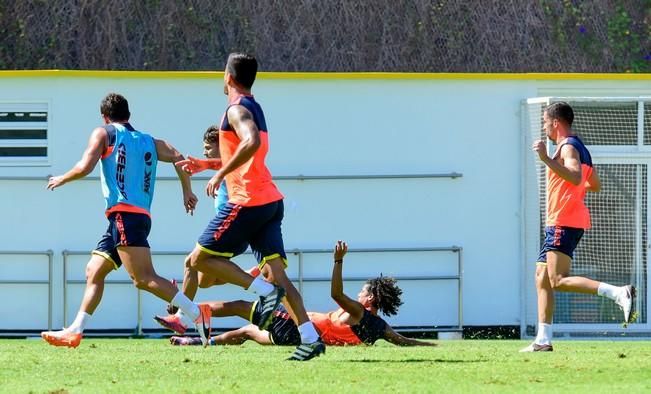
<point>323,75</point>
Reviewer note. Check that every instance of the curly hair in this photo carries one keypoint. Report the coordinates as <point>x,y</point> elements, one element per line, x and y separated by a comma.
<point>211,135</point>
<point>386,294</point>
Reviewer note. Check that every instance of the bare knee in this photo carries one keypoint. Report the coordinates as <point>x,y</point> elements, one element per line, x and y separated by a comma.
<point>555,281</point>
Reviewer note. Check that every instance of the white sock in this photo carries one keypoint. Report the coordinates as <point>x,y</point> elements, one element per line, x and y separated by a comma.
<point>189,308</point>
<point>308,332</point>
<point>260,286</point>
<point>545,334</point>
<point>80,322</point>
<point>184,318</point>
<point>610,291</point>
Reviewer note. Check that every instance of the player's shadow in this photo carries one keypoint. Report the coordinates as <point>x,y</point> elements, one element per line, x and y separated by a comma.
<point>417,360</point>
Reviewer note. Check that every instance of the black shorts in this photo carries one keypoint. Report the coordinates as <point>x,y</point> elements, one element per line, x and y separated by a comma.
<point>562,239</point>
<point>282,330</point>
<point>124,229</point>
<point>235,227</point>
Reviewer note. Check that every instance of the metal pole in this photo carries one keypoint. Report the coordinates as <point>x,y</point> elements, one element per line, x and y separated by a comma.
<point>50,263</point>
<point>65,287</point>
<point>460,256</point>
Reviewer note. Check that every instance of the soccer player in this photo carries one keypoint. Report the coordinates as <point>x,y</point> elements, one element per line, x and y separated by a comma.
<point>254,211</point>
<point>128,160</point>
<point>356,322</point>
<point>569,175</point>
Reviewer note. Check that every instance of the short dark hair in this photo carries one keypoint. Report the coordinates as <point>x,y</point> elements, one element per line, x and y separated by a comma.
<point>115,107</point>
<point>386,294</point>
<point>561,111</point>
<point>243,67</point>
<point>211,135</point>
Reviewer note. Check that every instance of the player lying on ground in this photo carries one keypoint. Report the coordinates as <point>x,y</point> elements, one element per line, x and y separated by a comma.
<point>356,322</point>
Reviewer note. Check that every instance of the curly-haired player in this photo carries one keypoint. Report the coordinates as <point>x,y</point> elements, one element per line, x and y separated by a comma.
<point>356,322</point>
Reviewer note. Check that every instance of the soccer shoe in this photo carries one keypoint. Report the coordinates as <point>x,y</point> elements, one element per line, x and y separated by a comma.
<point>626,302</point>
<point>534,347</point>
<point>202,323</point>
<point>185,341</point>
<point>269,305</point>
<point>307,351</point>
<point>172,322</point>
<point>62,338</point>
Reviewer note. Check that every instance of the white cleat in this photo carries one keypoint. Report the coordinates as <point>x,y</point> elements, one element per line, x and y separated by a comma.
<point>534,347</point>
<point>626,302</point>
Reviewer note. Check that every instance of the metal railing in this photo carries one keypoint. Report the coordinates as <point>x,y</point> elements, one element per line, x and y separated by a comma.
<point>451,175</point>
<point>48,282</point>
<point>300,279</point>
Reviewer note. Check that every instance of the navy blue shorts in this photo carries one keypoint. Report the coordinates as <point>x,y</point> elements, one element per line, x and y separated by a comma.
<point>125,229</point>
<point>235,227</point>
<point>562,239</point>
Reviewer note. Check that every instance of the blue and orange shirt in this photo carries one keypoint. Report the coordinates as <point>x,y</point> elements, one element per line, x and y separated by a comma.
<point>128,169</point>
<point>565,201</point>
<point>251,183</point>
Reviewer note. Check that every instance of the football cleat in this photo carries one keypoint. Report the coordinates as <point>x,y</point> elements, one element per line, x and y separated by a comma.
<point>185,341</point>
<point>269,305</point>
<point>172,322</point>
<point>62,338</point>
<point>307,351</point>
<point>202,323</point>
<point>534,347</point>
<point>626,302</point>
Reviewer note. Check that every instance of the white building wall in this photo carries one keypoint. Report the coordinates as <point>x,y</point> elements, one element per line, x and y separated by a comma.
<point>350,124</point>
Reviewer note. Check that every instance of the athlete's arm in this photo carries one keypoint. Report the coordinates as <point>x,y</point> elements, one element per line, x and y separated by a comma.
<point>570,170</point>
<point>193,165</point>
<point>391,336</point>
<point>354,308</point>
<point>242,122</point>
<point>96,145</point>
<point>594,182</point>
<point>168,154</point>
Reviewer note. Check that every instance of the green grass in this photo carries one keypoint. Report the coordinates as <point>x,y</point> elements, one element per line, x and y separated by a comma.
<point>153,366</point>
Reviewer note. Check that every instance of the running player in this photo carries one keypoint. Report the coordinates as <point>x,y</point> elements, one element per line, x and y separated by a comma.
<point>254,211</point>
<point>356,322</point>
<point>128,160</point>
<point>569,175</point>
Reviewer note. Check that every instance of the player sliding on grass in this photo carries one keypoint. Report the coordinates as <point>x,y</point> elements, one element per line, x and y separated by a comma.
<point>569,175</point>
<point>128,161</point>
<point>254,211</point>
<point>356,322</point>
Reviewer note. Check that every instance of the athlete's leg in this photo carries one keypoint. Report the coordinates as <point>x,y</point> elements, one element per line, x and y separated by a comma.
<point>137,261</point>
<point>219,267</point>
<point>97,269</point>
<point>558,270</point>
<point>545,295</point>
<point>231,308</point>
<point>241,335</point>
<point>274,271</point>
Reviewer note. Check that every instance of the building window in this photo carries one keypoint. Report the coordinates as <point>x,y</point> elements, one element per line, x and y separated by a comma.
<point>23,134</point>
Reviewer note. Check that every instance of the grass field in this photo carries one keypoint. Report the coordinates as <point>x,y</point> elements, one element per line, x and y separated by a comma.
<point>153,366</point>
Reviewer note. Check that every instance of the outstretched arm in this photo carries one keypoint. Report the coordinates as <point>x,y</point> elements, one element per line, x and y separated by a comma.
<point>391,336</point>
<point>88,161</point>
<point>168,154</point>
<point>354,308</point>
